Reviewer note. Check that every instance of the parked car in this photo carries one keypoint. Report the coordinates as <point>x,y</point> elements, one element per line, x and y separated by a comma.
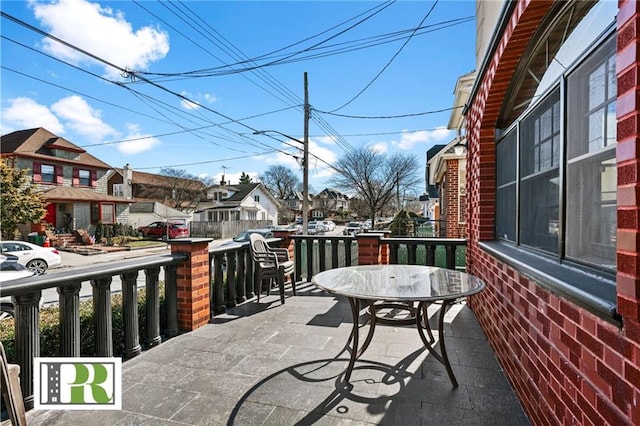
<point>329,225</point>
<point>11,269</point>
<point>159,230</point>
<point>294,227</point>
<point>243,237</point>
<point>315,228</point>
<point>352,228</point>
<point>34,257</point>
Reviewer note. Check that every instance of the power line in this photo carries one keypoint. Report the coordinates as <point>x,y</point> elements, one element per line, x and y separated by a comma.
<point>379,117</point>
<point>388,63</point>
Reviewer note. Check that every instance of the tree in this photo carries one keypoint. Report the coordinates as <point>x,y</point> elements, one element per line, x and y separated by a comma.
<point>375,176</point>
<point>19,204</point>
<point>280,181</point>
<point>245,178</point>
<point>179,190</point>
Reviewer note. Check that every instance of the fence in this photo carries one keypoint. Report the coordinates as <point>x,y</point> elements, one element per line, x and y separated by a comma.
<point>226,229</point>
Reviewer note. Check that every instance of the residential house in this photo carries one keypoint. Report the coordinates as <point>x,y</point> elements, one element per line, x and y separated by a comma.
<point>173,191</point>
<point>553,217</point>
<point>72,181</point>
<point>431,198</point>
<point>447,167</point>
<point>241,202</point>
<point>293,203</point>
<point>329,203</point>
<point>143,213</point>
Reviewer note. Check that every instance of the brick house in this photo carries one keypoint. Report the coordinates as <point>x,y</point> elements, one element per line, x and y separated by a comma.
<point>72,181</point>
<point>553,212</point>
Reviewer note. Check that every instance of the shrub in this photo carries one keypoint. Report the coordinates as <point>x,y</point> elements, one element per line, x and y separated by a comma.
<point>50,329</point>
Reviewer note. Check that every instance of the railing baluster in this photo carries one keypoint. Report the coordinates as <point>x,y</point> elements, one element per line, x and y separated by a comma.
<point>310,244</point>
<point>130,312</point>
<point>27,339</point>
<point>298,259</point>
<point>153,307</point>
<point>322,258</point>
<point>230,299</point>
<point>70,319</point>
<point>347,251</point>
<point>171,299</point>
<point>218,284</point>
<point>451,256</point>
<point>240,284</point>
<point>411,254</point>
<point>102,316</point>
<point>431,254</point>
<point>393,253</point>
<point>334,253</point>
<point>248,279</point>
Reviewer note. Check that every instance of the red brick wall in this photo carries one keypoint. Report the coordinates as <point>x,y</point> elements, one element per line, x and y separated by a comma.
<point>193,284</point>
<point>455,229</point>
<point>567,365</point>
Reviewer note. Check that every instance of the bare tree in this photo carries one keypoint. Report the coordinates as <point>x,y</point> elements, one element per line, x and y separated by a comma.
<point>279,180</point>
<point>375,177</point>
<point>177,189</point>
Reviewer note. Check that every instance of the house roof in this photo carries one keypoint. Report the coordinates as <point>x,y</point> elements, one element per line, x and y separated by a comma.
<point>39,143</point>
<point>333,194</point>
<point>142,178</point>
<point>67,193</point>
<point>242,191</point>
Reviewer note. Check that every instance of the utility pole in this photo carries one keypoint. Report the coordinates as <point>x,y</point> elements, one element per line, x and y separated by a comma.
<point>305,164</point>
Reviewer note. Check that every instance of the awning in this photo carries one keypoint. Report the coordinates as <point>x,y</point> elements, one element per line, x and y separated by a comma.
<point>67,194</point>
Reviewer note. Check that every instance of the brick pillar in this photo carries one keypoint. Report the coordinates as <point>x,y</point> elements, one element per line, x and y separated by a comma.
<point>193,282</point>
<point>370,251</point>
<point>627,157</point>
<point>287,242</point>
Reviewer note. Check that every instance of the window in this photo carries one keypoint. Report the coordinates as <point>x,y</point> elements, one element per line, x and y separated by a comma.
<point>530,187</point>
<point>84,177</point>
<point>591,165</point>
<point>118,190</point>
<point>103,212</point>
<point>48,173</point>
<point>256,198</point>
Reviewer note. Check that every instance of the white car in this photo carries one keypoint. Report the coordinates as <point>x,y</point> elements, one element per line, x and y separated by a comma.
<point>37,259</point>
<point>10,270</point>
<point>329,225</point>
<point>315,228</point>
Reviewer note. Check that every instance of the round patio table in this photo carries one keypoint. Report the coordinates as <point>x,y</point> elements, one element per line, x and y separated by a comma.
<point>405,284</point>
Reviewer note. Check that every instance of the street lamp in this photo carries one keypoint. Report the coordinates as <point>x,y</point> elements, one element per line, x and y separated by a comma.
<point>305,175</point>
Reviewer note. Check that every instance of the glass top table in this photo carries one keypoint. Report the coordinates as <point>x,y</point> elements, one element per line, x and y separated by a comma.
<point>399,283</point>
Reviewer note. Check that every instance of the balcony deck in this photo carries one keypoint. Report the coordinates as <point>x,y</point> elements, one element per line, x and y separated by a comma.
<point>270,364</point>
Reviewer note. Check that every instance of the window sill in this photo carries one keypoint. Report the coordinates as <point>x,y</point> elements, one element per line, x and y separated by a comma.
<point>594,293</point>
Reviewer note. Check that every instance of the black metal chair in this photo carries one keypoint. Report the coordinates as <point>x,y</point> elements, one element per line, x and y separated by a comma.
<point>270,263</point>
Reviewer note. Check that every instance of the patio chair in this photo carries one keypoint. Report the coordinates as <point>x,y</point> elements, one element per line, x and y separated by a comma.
<point>11,391</point>
<point>270,263</point>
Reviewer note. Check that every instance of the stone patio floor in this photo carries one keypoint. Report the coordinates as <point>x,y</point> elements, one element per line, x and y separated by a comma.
<point>273,364</point>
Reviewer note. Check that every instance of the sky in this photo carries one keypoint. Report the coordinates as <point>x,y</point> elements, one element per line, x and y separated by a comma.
<point>187,84</point>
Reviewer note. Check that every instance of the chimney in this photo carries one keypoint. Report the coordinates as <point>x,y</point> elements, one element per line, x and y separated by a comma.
<point>127,177</point>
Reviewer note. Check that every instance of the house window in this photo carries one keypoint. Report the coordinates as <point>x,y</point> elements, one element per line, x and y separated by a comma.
<point>84,177</point>
<point>256,198</point>
<point>48,173</point>
<point>118,190</point>
<point>531,156</point>
<point>103,212</point>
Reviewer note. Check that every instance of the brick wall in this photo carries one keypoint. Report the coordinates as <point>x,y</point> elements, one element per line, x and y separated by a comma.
<point>567,365</point>
<point>455,229</point>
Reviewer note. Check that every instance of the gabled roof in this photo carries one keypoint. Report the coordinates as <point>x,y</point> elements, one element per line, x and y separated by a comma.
<point>333,194</point>
<point>241,191</point>
<point>142,178</point>
<point>39,143</point>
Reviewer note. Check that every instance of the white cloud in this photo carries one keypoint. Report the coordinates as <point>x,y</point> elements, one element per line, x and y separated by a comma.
<point>380,147</point>
<point>409,140</point>
<point>25,113</point>
<point>82,118</point>
<point>198,100</point>
<point>101,32</point>
<point>143,142</point>
<point>209,98</point>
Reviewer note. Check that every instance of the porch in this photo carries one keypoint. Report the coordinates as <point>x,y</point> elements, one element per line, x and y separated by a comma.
<point>279,364</point>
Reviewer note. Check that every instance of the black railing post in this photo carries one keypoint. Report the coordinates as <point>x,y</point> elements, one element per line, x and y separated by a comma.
<point>102,316</point>
<point>451,256</point>
<point>347,251</point>
<point>218,284</point>
<point>130,314</point>
<point>310,245</point>
<point>431,254</point>
<point>248,277</point>
<point>297,254</point>
<point>171,299</point>
<point>70,319</point>
<point>152,307</point>
<point>334,254</point>
<point>240,282</point>
<point>27,339</point>
<point>322,258</point>
<point>230,301</point>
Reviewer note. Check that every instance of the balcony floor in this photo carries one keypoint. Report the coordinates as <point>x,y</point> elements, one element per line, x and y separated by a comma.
<point>270,364</point>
